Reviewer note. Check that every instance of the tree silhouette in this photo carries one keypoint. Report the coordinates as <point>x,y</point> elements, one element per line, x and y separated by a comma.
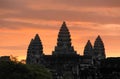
<point>13,70</point>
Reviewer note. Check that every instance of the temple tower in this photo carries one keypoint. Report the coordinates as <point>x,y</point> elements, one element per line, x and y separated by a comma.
<point>64,42</point>
<point>99,50</point>
<point>35,51</point>
<point>88,50</point>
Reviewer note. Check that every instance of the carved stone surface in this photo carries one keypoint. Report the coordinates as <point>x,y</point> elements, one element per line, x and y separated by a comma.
<point>99,50</point>
<point>35,51</point>
<point>64,42</point>
<point>88,50</point>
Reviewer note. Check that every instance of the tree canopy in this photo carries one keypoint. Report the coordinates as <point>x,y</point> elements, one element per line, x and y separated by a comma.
<point>15,70</point>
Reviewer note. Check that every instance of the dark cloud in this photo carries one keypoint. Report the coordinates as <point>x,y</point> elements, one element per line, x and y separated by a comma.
<point>79,3</point>
<point>21,4</point>
<point>60,15</point>
<point>90,3</point>
<point>20,25</point>
<point>13,25</point>
<point>12,4</point>
<point>25,12</point>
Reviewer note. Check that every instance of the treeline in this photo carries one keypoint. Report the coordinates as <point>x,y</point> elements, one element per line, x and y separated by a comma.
<point>17,70</point>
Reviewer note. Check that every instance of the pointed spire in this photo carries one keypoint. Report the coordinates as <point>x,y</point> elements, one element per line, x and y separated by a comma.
<point>64,27</point>
<point>98,38</point>
<point>37,40</point>
<point>37,37</point>
<point>64,41</point>
<point>35,50</point>
<point>88,50</point>
<point>88,43</point>
<point>64,23</point>
<point>99,50</point>
<point>98,42</point>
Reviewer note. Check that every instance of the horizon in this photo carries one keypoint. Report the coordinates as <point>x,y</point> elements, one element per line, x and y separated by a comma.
<point>20,20</point>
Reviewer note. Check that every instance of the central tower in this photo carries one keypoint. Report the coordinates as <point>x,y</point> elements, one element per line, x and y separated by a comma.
<point>64,42</point>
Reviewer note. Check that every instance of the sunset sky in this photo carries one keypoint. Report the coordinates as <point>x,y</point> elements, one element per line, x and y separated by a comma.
<point>20,20</point>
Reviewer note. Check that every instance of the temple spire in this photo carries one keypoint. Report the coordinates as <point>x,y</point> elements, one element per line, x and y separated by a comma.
<point>99,50</point>
<point>88,50</point>
<point>64,42</point>
<point>64,27</point>
<point>35,51</point>
<point>37,37</point>
<point>64,23</point>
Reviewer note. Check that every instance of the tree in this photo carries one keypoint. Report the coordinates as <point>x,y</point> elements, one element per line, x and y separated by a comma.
<point>15,70</point>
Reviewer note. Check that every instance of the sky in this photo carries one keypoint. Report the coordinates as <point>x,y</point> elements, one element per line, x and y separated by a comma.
<point>20,20</point>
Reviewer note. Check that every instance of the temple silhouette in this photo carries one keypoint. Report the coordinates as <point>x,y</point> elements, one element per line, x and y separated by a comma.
<point>64,60</point>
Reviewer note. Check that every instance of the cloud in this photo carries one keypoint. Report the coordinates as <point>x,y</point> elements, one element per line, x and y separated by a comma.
<point>16,12</point>
<point>22,47</point>
<point>12,4</point>
<point>90,3</point>
<point>60,15</point>
<point>15,25</point>
<point>78,3</point>
<point>76,10</point>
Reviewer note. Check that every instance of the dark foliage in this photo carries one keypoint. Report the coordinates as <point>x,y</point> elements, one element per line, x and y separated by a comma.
<point>13,70</point>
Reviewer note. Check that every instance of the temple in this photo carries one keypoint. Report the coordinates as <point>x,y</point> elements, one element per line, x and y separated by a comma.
<point>64,42</point>
<point>64,62</point>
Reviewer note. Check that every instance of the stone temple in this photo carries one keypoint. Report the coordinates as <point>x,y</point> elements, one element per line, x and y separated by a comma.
<point>65,63</point>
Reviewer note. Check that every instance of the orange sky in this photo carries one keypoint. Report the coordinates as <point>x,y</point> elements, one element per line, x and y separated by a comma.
<point>20,20</point>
